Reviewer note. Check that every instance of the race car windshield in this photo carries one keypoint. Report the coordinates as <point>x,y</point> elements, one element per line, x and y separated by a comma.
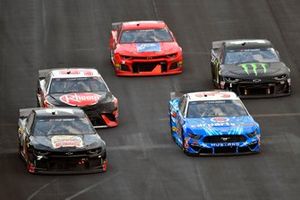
<point>62,126</point>
<point>237,56</point>
<point>216,108</point>
<point>67,85</point>
<point>146,36</point>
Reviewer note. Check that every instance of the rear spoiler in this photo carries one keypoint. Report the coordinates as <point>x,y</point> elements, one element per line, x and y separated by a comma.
<point>24,112</point>
<point>115,25</point>
<point>217,44</point>
<point>174,95</point>
<point>43,73</point>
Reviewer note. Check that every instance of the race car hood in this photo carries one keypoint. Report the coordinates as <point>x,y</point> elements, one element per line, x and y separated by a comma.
<point>147,49</point>
<point>67,142</point>
<point>87,99</point>
<point>254,70</point>
<point>221,125</point>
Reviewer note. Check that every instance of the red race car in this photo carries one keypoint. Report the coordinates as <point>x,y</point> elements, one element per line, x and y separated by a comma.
<point>144,48</point>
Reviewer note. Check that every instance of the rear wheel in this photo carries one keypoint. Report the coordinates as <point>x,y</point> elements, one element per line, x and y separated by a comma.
<point>37,102</point>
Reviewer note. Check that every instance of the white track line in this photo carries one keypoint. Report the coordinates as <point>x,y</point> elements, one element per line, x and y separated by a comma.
<point>91,186</point>
<point>40,189</point>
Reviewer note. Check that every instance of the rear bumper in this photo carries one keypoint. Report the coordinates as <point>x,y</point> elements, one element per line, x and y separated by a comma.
<point>259,90</point>
<point>155,67</point>
<point>103,120</point>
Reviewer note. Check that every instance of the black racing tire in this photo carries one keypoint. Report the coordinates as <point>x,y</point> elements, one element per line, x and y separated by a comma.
<point>37,102</point>
<point>170,124</point>
<point>183,143</point>
<point>184,149</point>
<point>19,151</point>
<point>171,132</point>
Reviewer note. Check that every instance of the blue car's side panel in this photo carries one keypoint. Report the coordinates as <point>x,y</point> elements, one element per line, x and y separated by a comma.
<point>174,108</point>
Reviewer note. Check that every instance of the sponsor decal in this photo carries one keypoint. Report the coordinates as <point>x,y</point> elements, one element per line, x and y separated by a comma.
<point>148,47</point>
<point>254,67</point>
<point>256,80</point>
<point>59,141</point>
<point>219,119</point>
<point>229,144</point>
<point>213,124</point>
<point>80,99</point>
<point>174,128</point>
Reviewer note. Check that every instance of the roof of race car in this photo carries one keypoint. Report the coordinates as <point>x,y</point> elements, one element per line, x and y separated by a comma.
<point>133,25</point>
<point>211,95</point>
<point>59,112</point>
<point>247,43</point>
<point>74,73</point>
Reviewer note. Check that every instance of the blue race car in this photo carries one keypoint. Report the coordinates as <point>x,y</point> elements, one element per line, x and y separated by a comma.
<point>213,123</point>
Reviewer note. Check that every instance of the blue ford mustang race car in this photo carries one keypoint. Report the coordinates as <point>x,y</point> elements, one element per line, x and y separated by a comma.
<point>213,123</point>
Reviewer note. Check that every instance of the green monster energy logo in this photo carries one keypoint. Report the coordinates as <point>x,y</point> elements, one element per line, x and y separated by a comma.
<point>254,67</point>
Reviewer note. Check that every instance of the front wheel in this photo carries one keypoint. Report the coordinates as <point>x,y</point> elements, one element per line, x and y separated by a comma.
<point>185,147</point>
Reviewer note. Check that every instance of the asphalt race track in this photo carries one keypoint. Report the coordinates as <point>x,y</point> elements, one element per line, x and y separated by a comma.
<point>144,162</point>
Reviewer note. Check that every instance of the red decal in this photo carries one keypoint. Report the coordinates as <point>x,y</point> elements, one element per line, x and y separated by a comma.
<point>220,119</point>
<point>104,165</point>
<point>80,99</point>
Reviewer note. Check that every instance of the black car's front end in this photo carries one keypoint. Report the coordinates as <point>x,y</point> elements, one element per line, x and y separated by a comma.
<point>67,161</point>
<point>254,80</point>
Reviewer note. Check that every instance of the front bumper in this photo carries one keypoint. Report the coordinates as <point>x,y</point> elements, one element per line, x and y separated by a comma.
<point>249,89</point>
<point>78,164</point>
<point>250,146</point>
<point>148,67</point>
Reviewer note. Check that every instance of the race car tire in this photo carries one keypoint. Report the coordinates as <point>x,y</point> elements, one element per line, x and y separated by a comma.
<point>183,145</point>
<point>111,57</point>
<point>185,151</point>
<point>19,151</point>
<point>37,102</point>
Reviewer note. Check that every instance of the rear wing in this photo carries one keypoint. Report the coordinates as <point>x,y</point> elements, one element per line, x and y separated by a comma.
<point>24,112</point>
<point>217,44</point>
<point>43,73</point>
<point>115,26</point>
<point>174,95</point>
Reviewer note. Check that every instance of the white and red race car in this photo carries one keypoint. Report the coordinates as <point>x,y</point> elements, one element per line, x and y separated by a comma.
<point>78,87</point>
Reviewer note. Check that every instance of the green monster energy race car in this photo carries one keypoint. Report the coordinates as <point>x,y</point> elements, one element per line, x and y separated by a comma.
<point>250,68</point>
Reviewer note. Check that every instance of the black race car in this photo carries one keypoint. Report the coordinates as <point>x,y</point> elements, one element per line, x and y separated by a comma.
<point>250,68</point>
<point>78,87</point>
<point>60,140</point>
